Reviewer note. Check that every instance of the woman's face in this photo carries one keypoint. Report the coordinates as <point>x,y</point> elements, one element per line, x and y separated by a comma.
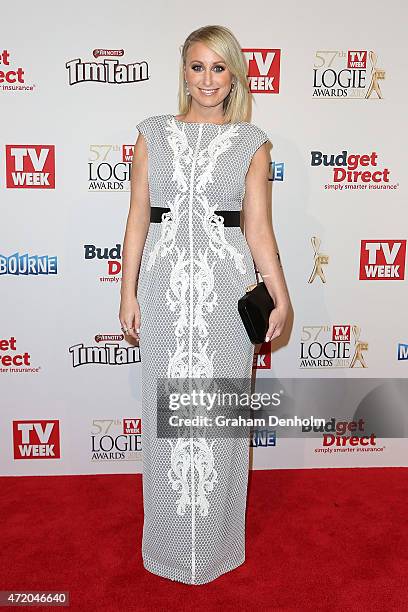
<point>208,78</point>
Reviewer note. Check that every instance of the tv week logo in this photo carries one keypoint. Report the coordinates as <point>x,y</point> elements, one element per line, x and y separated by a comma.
<point>132,426</point>
<point>341,333</point>
<point>357,59</point>
<point>38,439</point>
<point>127,153</point>
<point>382,259</point>
<point>30,166</point>
<point>262,359</point>
<point>263,70</point>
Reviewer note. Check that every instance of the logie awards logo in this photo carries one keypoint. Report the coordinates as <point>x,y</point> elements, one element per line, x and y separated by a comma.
<point>347,74</point>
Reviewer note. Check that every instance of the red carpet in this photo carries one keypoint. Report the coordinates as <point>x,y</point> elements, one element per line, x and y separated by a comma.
<point>327,539</point>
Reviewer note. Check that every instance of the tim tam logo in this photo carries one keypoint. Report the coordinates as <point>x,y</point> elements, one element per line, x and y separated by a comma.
<point>39,439</point>
<point>108,350</point>
<point>30,166</point>
<point>110,70</point>
<point>263,70</point>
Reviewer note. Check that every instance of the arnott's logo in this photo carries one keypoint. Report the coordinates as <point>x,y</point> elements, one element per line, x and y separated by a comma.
<point>108,52</point>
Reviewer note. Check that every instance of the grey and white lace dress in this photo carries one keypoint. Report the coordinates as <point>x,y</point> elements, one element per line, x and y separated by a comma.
<point>192,273</point>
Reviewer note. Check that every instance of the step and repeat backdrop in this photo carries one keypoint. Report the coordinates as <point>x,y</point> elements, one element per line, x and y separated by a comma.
<point>329,89</point>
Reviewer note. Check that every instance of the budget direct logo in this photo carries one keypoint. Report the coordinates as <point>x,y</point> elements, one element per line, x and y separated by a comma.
<point>39,439</point>
<point>347,74</point>
<point>12,76</point>
<point>110,70</point>
<point>382,259</point>
<point>111,256</point>
<point>352,171</point>
<point>109,167</point>
<point>30,166</point>
<point>332,346</point>
<point>25,264</point>
<point>263,70</point>
<point>13,359</point>
<point>116,440</point>
<point>345,437</point>
<point>107,350</point>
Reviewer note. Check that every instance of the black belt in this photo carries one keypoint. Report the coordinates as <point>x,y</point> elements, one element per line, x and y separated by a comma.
<point>231,217</point>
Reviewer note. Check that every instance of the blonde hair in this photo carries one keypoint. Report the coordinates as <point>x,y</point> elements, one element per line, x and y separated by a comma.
<point>237,105</point>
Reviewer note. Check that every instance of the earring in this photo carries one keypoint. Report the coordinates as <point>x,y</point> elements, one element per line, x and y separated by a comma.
<point>187,89</point>
<point>233,85</point>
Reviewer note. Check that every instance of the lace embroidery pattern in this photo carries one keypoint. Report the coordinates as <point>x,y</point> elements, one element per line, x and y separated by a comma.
<point>198,451</point>
<point>203,458</point>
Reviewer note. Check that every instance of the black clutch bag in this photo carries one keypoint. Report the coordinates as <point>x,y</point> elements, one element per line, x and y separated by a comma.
<point>255,307</point>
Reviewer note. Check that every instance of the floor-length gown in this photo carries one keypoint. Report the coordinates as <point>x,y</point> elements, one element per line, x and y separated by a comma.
<point>193,270</point>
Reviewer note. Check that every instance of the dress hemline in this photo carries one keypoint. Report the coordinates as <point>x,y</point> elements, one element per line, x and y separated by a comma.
<point>178,575</point>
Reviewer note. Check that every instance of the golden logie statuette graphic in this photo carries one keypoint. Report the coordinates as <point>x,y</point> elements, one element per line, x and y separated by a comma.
<point>377,74</point>
<point>360,347</point>
<point>319,261</point>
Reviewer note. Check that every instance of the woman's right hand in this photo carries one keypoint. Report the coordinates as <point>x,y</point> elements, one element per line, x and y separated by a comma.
<point>129,316</point>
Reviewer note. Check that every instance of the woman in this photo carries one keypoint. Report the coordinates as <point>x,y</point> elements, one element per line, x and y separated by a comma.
<point>191,174</point>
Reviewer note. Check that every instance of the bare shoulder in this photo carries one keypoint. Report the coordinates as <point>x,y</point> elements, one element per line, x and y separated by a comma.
<point>259,164</point>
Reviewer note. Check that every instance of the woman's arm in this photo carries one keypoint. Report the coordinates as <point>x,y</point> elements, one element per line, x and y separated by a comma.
<point>261,240</point>
<point>137,227</point>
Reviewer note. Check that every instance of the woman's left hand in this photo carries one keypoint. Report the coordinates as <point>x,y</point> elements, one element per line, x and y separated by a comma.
<point>277,320</point>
